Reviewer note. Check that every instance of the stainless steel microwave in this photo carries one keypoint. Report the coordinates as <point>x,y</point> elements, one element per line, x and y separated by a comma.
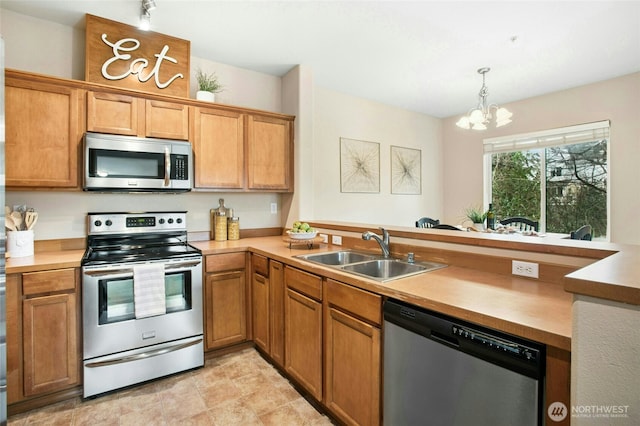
<point>115,163</point>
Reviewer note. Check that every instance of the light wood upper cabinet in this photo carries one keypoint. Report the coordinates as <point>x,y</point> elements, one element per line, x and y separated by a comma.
<point>269,149</point>
<point>134,116</point>
<point>44,128</point>
<point>218,146</point>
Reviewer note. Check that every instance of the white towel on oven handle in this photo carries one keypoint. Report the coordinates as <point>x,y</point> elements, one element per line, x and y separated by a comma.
<point>148,290</point>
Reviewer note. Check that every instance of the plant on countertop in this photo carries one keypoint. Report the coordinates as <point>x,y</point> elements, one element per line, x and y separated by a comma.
<point>475,214</point>
<point>208,82</point>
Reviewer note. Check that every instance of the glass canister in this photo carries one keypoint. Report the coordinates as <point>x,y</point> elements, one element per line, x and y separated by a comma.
<point>233,225</point>
<point>221,226</point>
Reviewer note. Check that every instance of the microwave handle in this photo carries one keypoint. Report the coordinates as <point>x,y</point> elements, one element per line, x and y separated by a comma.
<point>167,166</point>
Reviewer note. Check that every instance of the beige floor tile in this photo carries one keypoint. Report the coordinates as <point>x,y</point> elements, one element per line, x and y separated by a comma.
<point>236,389</point>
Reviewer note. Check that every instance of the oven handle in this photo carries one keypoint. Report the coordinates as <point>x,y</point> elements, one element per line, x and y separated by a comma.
<point>107,272</point>
<point>143,355</point>
<point>167,166</point>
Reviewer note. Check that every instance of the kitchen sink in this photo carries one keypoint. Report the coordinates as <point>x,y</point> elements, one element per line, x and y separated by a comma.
<point>343,257</point>
<point>370,265</point>
<point>387,269</point>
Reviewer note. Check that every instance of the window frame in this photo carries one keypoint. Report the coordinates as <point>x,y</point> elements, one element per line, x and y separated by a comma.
<point>539,141</point>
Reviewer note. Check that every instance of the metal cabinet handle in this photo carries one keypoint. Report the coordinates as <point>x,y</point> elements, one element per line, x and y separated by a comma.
<point>167,166</point>
<point>143,355</point>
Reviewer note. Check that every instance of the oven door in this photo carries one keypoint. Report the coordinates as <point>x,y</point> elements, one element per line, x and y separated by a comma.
<point>110,325</point>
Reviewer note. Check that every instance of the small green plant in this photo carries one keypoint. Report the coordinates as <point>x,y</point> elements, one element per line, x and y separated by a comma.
<point>475,214</point>
<point>208,82</point>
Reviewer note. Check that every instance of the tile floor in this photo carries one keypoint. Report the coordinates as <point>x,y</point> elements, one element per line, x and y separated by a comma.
<point>235,389</point>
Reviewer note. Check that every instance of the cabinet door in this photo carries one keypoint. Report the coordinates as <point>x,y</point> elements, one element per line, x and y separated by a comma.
<point>276,308</point>
<point>50,343</point>
<point>225,309</point>
<point>303,341</point>
<point>43,134</point>
<point>352,375</point>
<point>260,299</point>
<point>218,145</point>
<point>113,113</point>
<point>168,120</point>
<point>269,149</point>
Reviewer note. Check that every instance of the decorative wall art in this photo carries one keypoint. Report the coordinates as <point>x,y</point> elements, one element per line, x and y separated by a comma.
<point>359,166</point>
<point>406,170</point>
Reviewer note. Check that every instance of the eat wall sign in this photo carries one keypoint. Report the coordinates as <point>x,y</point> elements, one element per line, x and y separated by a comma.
<point>124,56</point>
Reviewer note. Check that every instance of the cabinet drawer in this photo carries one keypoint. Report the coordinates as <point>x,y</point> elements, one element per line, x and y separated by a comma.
<point>48,281</point>
<point>224,262</point>
<point>305,283</point>
<point>361,303</point>
<point>260,265</point>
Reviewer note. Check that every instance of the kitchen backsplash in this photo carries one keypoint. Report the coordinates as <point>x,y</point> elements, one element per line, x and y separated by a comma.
<point>63,214</point>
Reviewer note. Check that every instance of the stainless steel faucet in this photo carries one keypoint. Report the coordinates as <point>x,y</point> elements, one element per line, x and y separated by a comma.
<point>383,242</point>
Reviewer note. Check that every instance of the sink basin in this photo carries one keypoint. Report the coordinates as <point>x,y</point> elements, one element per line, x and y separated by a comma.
<point>343,257</point>
<point>386,269</point>
<point>370,265</point>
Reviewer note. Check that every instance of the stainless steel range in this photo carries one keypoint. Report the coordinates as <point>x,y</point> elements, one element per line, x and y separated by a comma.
<point>142,299</point>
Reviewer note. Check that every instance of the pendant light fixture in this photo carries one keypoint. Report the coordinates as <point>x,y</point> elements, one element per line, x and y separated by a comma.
<point>480,116</point>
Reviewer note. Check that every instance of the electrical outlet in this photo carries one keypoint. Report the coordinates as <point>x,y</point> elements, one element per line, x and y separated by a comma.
<point>274,208</point>
<point>325,238</point>
<point>336,239</point>
<point>525,269</point>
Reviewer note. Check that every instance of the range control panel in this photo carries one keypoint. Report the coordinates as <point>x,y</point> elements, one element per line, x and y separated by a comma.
<point>125,223</point>
<point>495,343</point>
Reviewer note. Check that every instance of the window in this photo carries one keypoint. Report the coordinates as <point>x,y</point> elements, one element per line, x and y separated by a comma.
<point>559,177</point>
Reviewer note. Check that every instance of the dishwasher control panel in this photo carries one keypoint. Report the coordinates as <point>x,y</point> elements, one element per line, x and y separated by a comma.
<point>495,343</point>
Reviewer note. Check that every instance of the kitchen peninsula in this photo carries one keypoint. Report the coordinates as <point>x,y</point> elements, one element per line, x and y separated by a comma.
<point>477,285</point>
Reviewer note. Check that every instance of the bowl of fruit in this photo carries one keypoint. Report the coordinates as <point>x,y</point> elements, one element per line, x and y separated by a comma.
<point>302,231</point>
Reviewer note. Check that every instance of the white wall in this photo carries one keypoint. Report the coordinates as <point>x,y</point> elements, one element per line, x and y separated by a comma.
<point>338,115</point>
<point>605,366</point>
<point>52,49</point>
<point>617,100</point>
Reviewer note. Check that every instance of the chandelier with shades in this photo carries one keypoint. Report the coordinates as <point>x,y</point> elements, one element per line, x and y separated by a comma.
<point>480,116</point>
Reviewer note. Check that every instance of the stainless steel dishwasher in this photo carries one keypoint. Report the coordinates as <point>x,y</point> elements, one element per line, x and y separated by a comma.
<point>439,370</point>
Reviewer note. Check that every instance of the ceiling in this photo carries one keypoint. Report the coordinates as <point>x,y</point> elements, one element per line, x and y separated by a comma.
<point>417,55</point>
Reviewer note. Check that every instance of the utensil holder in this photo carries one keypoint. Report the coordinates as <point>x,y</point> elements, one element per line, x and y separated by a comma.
<point>20,243</point>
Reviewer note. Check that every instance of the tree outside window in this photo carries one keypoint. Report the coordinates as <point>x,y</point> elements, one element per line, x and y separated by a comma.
<point>562,186</point>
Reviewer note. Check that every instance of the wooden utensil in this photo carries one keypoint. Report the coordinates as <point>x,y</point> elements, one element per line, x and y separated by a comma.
<point>8,223</point>
<point>17,220</point>
<point>30,219</point>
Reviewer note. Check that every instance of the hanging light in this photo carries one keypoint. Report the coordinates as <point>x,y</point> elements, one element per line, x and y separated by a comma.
<point>479,117</point>
<point>145,14</point>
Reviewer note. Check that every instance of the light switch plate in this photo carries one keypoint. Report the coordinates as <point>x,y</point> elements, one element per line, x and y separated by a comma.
<point>274,208</point>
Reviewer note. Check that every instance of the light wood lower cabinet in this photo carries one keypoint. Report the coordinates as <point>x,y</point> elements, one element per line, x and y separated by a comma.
<point>225,300</point>
<point>43,333</point>
<point>268,307</point>
<point>352,352</point>
<point>303,329</point>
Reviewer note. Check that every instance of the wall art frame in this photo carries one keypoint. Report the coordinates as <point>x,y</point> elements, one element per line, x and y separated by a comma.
<point>359,166</point>
<point>406,170</point>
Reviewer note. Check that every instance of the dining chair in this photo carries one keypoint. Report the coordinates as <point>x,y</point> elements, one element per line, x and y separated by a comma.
<point>582,233</point>
<point>426,222</point>
<point>521,223</point>
<point>445,226</point>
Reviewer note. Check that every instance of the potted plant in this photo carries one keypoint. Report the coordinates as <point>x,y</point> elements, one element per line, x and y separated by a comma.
<point>477,216</point>
<point>208,86</point>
